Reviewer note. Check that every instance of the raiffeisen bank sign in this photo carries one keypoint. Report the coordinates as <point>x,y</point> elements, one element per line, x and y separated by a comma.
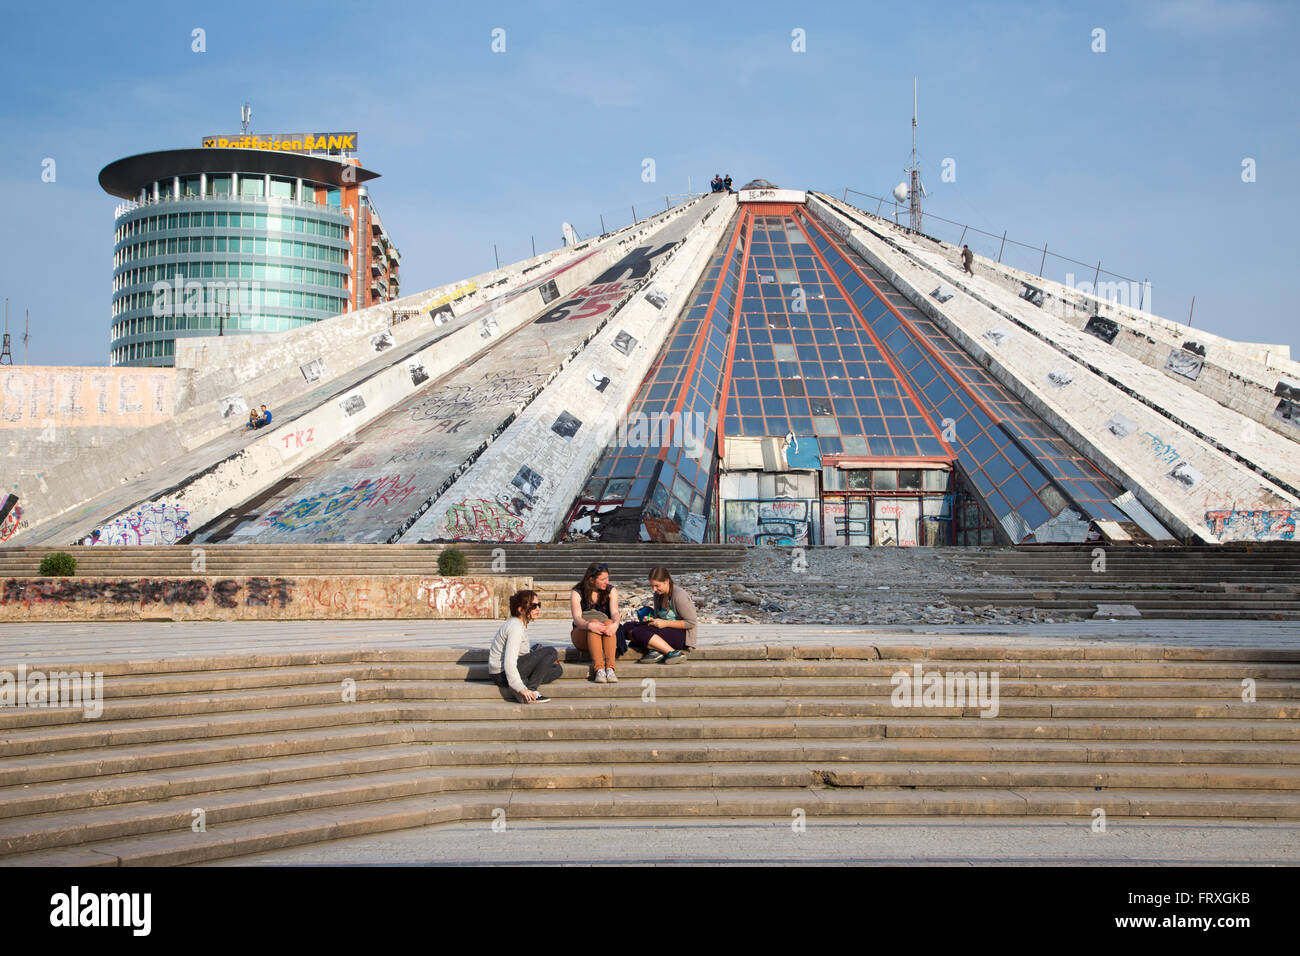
<point>287,142</point>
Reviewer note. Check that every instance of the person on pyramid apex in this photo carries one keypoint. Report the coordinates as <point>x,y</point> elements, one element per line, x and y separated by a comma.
<point>726,183</point>
<point>717,183</point>
<point>967,257</point>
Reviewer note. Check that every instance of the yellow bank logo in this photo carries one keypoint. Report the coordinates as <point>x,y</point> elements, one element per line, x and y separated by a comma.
<point>287,142</point>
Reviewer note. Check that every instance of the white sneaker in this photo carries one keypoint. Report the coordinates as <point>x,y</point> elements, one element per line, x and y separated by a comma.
<point>601,677</point>
<point>610,676</point>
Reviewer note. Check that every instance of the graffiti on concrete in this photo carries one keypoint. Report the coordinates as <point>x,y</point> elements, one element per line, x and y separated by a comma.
<point>467,598</point>
<point>225,592</point>
<point>253,598</point>
<point>778,522</point>
<point>298,438</point>
<point>69,396</point>
<point>382,342</point>
<point>1162,450</point>
<point>12,524</point>
<point>608,288</point>
<point>495,389</point>
<point>154,524</point>
<point>1229,525</point>
<point>320,508</point>
<point>478,519</point>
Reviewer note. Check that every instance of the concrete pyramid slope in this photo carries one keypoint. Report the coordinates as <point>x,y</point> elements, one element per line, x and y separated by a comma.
<point>1206,469</point>
<point>774,367</point>
<point>159,485</point>
<point>831,380</point>
<point>372,486</point>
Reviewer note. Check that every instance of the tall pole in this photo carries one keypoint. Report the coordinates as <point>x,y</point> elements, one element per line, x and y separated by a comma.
<point>27,333</point>
<point>914,219</point>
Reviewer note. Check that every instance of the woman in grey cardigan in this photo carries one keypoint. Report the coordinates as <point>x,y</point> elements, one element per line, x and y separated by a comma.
<point>668,629</point>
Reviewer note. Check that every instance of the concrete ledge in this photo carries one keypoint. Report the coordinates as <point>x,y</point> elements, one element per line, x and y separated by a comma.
<point>343,597</point>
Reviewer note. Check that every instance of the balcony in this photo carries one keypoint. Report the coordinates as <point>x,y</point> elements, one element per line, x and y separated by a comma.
<point>131,205</point>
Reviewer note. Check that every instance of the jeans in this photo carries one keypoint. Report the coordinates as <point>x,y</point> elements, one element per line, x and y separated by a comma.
<point>539,666</point>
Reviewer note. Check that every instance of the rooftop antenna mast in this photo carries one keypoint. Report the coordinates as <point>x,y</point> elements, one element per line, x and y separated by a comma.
<point>27,334</point>
<point>245,116</point>
<point>5,357</point>
<point>914,179</point>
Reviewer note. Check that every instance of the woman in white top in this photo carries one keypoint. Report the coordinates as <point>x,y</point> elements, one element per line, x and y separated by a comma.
<point>512,663</point>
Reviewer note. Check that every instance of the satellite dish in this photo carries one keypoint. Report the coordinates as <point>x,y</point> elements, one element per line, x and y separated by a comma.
<point>900,192</point>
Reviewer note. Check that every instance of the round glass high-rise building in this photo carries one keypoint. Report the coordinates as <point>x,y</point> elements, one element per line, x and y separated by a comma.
<point>229,241</point>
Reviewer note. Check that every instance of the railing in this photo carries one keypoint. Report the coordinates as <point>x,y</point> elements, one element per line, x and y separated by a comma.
<point>1135,296</point>
<point>608,222</point>
<point>130,205</point>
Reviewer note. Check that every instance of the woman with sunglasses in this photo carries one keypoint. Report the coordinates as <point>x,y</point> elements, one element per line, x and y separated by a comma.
<point>594,606</point>
<point>511,663</point>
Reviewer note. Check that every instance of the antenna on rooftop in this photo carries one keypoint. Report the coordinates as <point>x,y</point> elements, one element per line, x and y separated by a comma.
<point>27,334</point>
<point>914,197</point>
<point>245,116</point>
<point>5,357</point>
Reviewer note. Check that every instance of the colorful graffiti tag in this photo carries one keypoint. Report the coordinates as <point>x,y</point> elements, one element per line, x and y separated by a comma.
<point>12,524</point>
<point>478,519</point>
<point>773,522</point>
<point>1277,525</point>
<point>320,508</point>
<point>154,524</point>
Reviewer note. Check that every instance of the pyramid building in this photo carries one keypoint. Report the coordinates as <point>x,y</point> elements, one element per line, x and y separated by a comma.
<point>768,367</point>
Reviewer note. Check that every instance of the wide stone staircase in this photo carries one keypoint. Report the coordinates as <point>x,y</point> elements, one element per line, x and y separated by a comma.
<point>1226,582</point>
<point>540,561</point>
<point>205,759</point>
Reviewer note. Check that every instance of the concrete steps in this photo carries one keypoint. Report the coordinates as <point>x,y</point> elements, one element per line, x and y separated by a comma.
<point>267,749</point>
<point>553,562</point>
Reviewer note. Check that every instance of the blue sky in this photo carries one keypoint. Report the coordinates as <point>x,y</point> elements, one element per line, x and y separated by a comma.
<point>1133,156</point>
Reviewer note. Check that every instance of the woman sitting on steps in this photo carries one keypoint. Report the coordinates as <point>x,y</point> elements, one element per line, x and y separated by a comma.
<point>594,606</point>
<point>669,628</point>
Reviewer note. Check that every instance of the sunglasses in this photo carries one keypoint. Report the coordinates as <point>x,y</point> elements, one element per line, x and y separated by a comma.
<point>535,605</point>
